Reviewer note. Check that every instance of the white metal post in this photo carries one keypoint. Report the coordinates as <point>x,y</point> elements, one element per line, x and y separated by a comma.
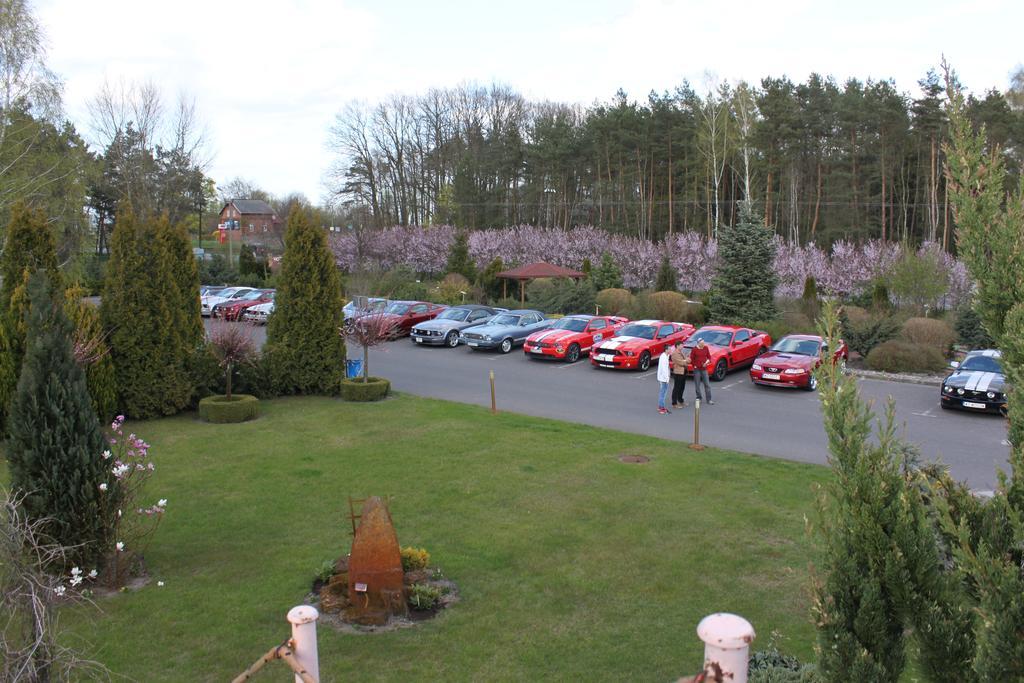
<point>303,620</point>
<point>727,639</point>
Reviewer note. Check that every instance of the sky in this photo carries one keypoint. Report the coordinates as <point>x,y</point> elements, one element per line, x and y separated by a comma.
<point>269,78</point>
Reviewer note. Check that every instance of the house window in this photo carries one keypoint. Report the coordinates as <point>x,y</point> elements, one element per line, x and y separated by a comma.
<point>252,228</point>
<point>264,227</point>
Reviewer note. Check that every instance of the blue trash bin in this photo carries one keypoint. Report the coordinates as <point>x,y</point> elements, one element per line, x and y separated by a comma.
<point>353,368</point>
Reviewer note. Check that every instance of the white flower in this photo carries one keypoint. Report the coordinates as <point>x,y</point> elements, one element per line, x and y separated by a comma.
<point>59,590</point>
<point>121,470</point>
<point>160,583</point>
<point>75,580</point>
<point>120,546</point>
<point>162,503</point>
<point>106,455</point>
<point>103,487</point>
<point>93,574</point>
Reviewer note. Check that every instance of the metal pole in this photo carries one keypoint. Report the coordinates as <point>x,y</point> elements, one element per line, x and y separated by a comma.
<point>727,639</point>
<point>494,405</point>
<point>303,620</point>
<point>696,445</point>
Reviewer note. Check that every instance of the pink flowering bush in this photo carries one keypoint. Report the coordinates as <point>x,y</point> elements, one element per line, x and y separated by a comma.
<point>133,521</point>
<point>846,269</point>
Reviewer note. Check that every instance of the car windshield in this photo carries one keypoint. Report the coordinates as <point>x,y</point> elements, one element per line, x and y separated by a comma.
<point>398,309</point>
<point>511,320</point>
<point>214,292</point>
<point>571,324</point>
<point>713,337</point>
<point>240,293</point>
<point>253,295</point>
<point>800,347</point>
<point>454,314</point>
<point>982,364</point>
<point>641,331</point>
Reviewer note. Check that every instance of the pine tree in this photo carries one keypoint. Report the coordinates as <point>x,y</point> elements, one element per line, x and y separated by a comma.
<point>139,318</point>
<point>304,352</point>
<point>667,277</point>
<point>459,260</point>
<point>489,280</point>
<point>743,289</point>
<point>8,377</point>
<point>183,290</point>
<point>607,275</point>
<point>56,445</point>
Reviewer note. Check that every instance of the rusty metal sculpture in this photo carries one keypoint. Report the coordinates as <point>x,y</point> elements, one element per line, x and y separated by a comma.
<point>375,578</point>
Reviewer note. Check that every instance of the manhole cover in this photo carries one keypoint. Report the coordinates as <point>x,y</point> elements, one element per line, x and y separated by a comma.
<point>634,458</point>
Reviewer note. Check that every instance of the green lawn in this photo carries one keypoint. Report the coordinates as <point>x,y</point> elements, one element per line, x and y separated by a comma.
<point>571,564</point>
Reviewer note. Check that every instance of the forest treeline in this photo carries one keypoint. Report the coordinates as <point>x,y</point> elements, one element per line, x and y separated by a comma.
<point>823,161</point>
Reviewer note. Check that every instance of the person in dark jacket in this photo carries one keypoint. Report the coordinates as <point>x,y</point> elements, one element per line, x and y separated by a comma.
<point>701,358</point>
<point>680,359</point>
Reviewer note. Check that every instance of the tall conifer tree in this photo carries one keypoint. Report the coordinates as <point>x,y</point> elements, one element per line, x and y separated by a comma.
<point>667,277</point>
<point>459,260</point>
<point>56,445</point>
<point>304,352</point>
<point>743,290</point>
<point>29,246</point>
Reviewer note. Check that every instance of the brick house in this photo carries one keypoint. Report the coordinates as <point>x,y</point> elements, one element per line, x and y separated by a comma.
<point>253,222</point>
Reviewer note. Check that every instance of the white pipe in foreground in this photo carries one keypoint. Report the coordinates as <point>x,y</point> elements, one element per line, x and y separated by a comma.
<point>303,620</point>
<point>727,639</point>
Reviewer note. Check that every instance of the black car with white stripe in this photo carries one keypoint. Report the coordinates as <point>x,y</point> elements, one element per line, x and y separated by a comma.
<point>976,384</point>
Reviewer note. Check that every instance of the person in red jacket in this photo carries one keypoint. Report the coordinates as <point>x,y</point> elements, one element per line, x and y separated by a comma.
<point>700,357</point>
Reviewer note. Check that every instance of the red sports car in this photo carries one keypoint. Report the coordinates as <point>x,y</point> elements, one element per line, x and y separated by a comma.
<point>571,336</point>
<point>402,315</point>
<point>731,347</point>
<point>233,309</point>
<point>791,362</point>
<point>636,343</point>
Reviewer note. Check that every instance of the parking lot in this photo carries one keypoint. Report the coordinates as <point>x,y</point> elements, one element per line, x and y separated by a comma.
<point>778,423</point>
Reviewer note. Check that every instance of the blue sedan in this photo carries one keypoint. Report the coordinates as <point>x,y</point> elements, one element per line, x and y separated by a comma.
<point>505,331</point>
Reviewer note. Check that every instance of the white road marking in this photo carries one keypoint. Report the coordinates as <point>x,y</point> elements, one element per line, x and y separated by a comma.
<point>734,384</point>
<point>646,374</point>
<point>927,413</point>
<point>563,365</point>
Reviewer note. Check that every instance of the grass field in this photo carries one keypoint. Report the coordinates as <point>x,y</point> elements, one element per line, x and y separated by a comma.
<point>571,564</point>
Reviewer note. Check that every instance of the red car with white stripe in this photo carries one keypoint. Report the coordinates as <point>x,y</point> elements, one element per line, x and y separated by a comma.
<point>637,343</point>
<point>791,362</point>
<point>572,336</point>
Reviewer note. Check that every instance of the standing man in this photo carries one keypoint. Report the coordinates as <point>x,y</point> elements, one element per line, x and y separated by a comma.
<point>701,358</point>
<point>664,373</point>
<point>680,359</point>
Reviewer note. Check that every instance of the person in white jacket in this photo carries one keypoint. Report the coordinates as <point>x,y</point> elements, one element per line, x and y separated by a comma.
<point>664,376</point>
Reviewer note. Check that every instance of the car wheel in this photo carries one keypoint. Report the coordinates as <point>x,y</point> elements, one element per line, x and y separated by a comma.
<point>812,383</point>
<point>573,354</point>
<point>506,345</point>
<point>452,340</point>
<point>720,369</point>
<point>645,361</point>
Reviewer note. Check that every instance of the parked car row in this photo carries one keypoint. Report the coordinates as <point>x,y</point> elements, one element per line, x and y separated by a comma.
<point>236,303</point>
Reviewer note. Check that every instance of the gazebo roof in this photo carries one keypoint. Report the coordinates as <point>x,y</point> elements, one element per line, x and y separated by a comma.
<point>540,269</point>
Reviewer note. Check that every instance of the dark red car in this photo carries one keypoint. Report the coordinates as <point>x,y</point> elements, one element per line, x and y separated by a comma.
<point>234,308</point>
<point>571,336</point>
<point>636,343</point>
<point>791,362</point>
<point>731,347</point>
<point>402,315</point>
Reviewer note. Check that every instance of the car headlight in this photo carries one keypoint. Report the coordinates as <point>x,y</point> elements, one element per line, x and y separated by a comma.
<point>487,337</point>
<point>755,366</point>
<point>991,394</point>
<point>948,389</point>
<point>794,371</point>
<point>960,391</point>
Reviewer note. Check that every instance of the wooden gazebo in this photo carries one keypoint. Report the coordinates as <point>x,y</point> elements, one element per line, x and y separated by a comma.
<point>532,271</point>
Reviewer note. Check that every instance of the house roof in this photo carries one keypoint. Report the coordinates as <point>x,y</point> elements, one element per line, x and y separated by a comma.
<point>252,206</point>
<point>540,269</point>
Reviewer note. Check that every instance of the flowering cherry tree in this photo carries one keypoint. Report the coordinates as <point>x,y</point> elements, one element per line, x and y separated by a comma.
<point>372,329</point>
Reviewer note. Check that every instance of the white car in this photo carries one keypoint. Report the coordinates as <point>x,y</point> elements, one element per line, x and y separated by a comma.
<point>258,314</point>
<point>213,298</point>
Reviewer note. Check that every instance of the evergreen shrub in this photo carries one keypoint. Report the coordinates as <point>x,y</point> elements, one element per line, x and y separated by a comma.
<point>901,356</point>
<point>614,301</point>
<point>668,305</point>
<point>223,410</point>
<point>969,330</point>
<point>863,332</point>
<point>932,332</point>
<point>373,389</point>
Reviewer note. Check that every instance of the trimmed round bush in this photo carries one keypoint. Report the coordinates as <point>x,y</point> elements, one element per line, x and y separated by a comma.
<point>901,356</point>
<point>668,305</point>
<point>222,410</point>
<point>373,389</point>
<point>614,301</point>
<point>929,332</point>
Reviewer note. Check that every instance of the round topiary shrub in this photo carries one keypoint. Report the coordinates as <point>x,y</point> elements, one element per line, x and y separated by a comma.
<point>614,301</point>
<point>373,389</point>
<point>221,409</point>
<point>929,332</point>
<point>901,356</point>
<point>668,305</point>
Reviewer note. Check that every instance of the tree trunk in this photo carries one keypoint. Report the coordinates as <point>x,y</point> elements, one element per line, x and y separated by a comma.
<point>366,364</point>
<point>670,185</point>
<point>768,200</point>
<point>227,381</point>
<point>817,204</point>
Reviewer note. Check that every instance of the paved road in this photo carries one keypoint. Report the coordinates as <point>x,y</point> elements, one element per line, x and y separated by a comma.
<point>774,422</point>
